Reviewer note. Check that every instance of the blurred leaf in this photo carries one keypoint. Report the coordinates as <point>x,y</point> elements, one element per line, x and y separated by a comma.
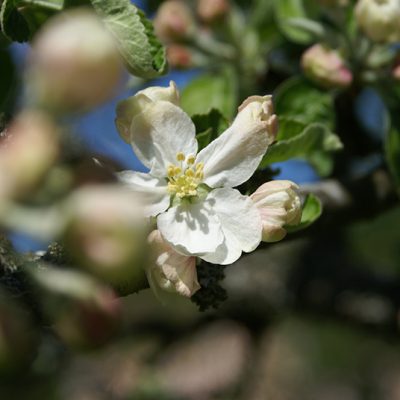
<point>143,53</point>
<point>392,148</point>
<point>20,19</point>
<point>285,12</point>
<point>315,138</point>
<point>299,99</point>
<point>289,127</point>
<point>209,126</point>
<point>8,81</point>
<point>211,91</point>
<point>312,210</point>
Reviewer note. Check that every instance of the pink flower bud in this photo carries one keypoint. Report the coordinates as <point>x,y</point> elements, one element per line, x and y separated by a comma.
<point>75,64</point>
<point>379,19</point>
<point>279,204</point>
<point>326,67</point>
<point>174,21</point>
<point>179,56</point>
<point>212,10</point>
<point>170,270</point>
<point>27,151</point>
<point>106,234</point>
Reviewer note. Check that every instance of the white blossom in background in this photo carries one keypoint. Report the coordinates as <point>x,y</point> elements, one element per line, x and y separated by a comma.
<point>191,194</point>
<point>170,270</point>
<point>379,19</point>
<point>279,204</point>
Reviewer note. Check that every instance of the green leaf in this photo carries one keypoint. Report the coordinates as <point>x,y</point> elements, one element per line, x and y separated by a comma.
<point>314,138</point>
<point>392,148</point>
<point>209,126</point>
<point>299,99</point>
<point>312,210</point>
<point>211,91</point>
<point>143,53</point>
<point>20,19</point>
<point>285,12</point>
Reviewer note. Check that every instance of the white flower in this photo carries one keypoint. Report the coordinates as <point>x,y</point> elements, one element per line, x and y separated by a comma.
<point>169,270</point>
<point>379,19</point>
<point>198,212</point>
<point>279,205</point>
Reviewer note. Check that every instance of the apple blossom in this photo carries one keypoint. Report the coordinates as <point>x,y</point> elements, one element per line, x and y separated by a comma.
<point>198,211</point>
<point>379,19</point>
<point>170,270</point>
<point>279,205</point>
<point>212,10</point>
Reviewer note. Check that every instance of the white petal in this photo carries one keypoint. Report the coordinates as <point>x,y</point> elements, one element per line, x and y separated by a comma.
<point>233,157</point>
<point>160,132</point>
<point>191,229</point>
<point>152,190</point>
<point>134,105</point>
<point>240,222</point>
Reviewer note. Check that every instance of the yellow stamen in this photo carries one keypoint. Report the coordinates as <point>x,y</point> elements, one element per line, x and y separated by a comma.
<point>191,159</point>
<point>180,157</point>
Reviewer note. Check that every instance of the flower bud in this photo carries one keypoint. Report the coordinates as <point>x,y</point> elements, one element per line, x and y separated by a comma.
<point>169,270</point>
<point>75,64</point>
<point>18,336</point>
<point>379,19</point>
<point>106,235</point>
<point>211,11</point>
<point>179,57</point>
<point>134,105</point>
<point>83,312</point>
<point>279,205</point>
<point>27,151</point>
<point>174,21</point>
<point>259,109</point>
<point>326,67</point>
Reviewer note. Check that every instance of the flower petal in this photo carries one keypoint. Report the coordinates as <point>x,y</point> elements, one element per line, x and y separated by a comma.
<point>240,222</point>
<point>233,157</point>
<point>170,270</point>
<point>152,190</point>
<point>127,109</point>
<point>159,133</point>
<point>191,228</point>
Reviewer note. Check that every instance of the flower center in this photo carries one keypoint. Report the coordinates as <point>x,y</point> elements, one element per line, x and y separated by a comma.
<point>185,177</point>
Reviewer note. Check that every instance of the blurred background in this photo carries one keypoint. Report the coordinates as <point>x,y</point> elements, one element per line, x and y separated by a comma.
<point>313,317</point>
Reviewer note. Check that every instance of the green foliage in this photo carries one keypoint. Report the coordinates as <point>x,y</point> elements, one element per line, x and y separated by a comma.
<point>312,210</point>
<point>210,91</point>
<point>312,140</point>
<point>20,19</point>
<point>144,55</point>
<point>300,99</point>
<point>287,12</point>
<point>209,126</point>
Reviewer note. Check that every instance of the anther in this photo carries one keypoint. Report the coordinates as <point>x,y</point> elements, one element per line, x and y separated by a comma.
<point>180,156</point>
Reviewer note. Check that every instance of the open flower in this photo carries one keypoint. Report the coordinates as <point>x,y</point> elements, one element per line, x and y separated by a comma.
<point>198,212</point>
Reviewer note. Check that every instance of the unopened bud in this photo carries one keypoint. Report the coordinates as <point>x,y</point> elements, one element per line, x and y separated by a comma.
<point>106,235</point>
<point>27,151</point>
<point>169,270</point>
<point>179,57</point>
<point>379,19</point>
<point>18,336</point>
<point>279,204</point>
<point>326,67</point>
<point>174,21</point>
<point>134,105</point>
<point>74,64</point>
<point>211,11</point>
<point>83,312</point>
